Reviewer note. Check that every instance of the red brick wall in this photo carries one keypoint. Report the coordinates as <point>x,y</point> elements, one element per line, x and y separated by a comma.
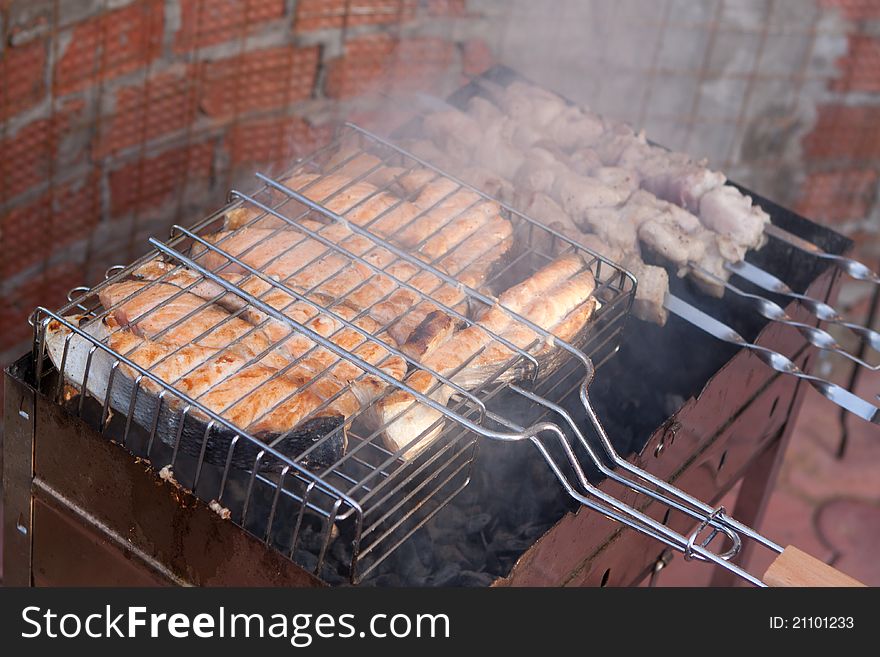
<point>118,121</point>
<point>842,152</point>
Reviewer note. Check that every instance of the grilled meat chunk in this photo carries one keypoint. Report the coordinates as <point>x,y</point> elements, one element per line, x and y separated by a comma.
<point>470,356</point>
<point>731,214</point>
<point>581,172</point>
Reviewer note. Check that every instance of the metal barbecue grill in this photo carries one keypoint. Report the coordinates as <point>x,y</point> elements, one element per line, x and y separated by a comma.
<point>351,515</point>
<point>371,499</point>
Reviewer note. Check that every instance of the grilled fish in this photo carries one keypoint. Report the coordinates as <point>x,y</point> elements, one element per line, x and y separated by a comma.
<point>310,265</point>
<point>446,225</point>
<point>298,419</point>
<point>556,298</point>
<point>161,310</point>
<point>219,372</point>
<point>310,358</point>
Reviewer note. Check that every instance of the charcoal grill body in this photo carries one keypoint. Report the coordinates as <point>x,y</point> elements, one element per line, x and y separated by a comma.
<point>80,509</point>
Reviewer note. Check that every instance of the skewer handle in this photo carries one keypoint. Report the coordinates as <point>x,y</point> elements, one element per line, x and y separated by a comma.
<point>854,268</point>
<point>797,568</point>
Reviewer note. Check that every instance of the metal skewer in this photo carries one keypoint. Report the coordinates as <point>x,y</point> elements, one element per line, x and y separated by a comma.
<point>820,309</point>
<point>774,312</point>
<point>832,391</point>
<point>854,268</point>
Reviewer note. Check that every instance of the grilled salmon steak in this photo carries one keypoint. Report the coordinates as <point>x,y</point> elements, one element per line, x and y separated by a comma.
<point>556,298</point>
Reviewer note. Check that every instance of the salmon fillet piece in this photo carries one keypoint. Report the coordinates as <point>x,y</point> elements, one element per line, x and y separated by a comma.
<point>267,394</point>
<point>267,402</point>
<point>312,358</point>
<point>191,369</point>
<point>310,265</point>
<point>457,231</point>
<point>548,299</point>
<point>152,309</point>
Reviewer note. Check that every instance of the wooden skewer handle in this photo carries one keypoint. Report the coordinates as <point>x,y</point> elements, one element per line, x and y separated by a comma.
<point>797,568</point>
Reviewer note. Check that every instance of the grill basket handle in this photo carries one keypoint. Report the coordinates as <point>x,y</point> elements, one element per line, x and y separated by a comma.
<point>797,568</point>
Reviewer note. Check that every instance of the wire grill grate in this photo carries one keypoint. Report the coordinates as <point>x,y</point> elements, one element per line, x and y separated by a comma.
<point>348,513</point>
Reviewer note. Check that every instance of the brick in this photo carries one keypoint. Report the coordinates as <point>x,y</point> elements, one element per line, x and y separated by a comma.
<point>111,44</point>
<point>48,288</point>
<point>333,14</point>
<point>476,57</point>
<point>24,236</point>
<point>76,210</point>
<point>860,67</point>
<point>360,67</point>
<point>838,195</point>
<point>31,232</point>
<point>273,141</point>
<point>260,80</point>
<point>379,61</point>
<point>27,20</point>
<point>447,7</point>
<point>380,12</point>
<point>22,78</point>
<point>29,152</point>
<point>844,132</point>
<point>417,62</point>
<point>209,22</point>
<point>152,180</point>
<point>14,327</point>
<point>74,129</point>
<point>26,158</point>
<point>854,10</point>
<point>58,280</point>
<point>160,105</point>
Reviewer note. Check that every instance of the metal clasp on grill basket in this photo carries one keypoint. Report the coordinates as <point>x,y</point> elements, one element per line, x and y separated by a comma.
<point>351,513</point>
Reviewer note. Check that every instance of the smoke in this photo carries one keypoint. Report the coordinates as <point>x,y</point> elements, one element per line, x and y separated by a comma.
<point>692,76</point>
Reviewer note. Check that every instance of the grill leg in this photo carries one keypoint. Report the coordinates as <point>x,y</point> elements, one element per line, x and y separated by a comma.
<point>760,479</point>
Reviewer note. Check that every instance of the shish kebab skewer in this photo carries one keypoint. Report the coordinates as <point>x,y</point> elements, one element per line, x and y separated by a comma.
<point>671,176</point>
<point>709,253</point>
<point>582,196</point>
<point>678,237</point>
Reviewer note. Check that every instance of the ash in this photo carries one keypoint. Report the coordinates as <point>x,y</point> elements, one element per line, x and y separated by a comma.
<point>511,501</point>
